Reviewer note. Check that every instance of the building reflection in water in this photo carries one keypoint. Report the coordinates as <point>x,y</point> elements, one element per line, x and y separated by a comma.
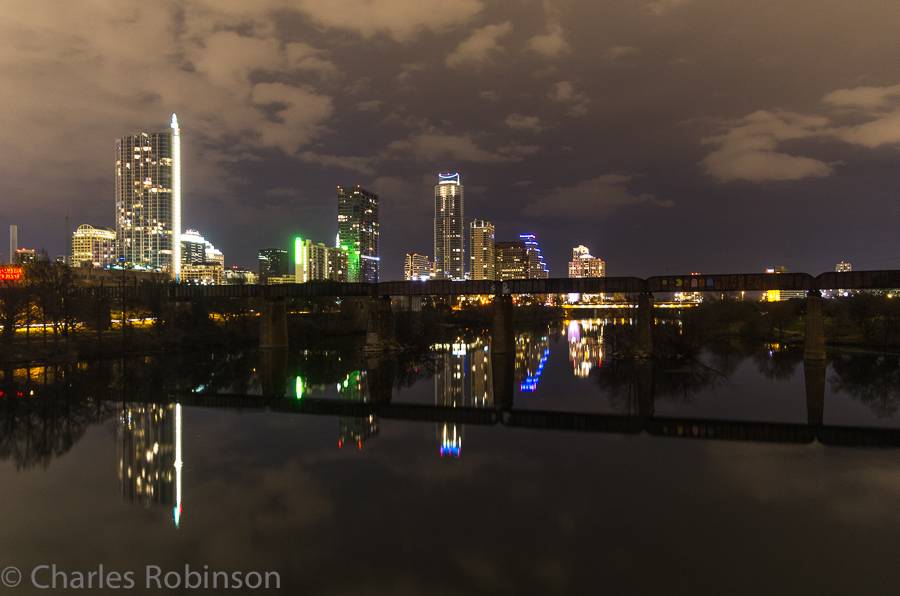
<point>585,345</point>
<point>532,351</point>
<point>149,449</point>
<point>460,360</point>
<point>354,429</point>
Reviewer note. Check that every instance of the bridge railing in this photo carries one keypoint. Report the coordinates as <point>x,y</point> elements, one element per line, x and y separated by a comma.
<point>850,280</point>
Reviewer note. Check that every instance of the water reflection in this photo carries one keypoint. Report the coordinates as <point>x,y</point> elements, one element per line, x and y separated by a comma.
<point>45,410</point>
<point>149,454</point>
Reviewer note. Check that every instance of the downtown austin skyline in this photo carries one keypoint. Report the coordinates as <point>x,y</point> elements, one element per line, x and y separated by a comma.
<point>668,135</point>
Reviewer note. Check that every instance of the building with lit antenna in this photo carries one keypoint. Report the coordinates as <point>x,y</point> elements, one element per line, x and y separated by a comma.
<point>148,200</point>
<point>449,244</point>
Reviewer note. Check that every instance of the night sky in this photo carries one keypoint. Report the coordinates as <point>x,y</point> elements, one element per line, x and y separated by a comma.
<point>667,136</point>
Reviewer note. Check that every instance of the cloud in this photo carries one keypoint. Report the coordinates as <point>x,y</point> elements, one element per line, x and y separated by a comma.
<point>370,106</point>
<point>597,198</point>
<point>297,114</point>
<point>436,146</point>
<point>749,149</point>
<point>527,123</point>
<point>490,95</point>
<point>564,92</point>
<point>621,53</point>
<point>356,164</point>
<point>882,104</point>
<point>402,20</point>
<point>479,46</point>
<point>865,98</point>
<point>550,44</point>
<point>661,7</point>
<point>303,56</point>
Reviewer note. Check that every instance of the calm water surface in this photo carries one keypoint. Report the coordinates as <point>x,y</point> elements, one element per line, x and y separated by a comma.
<point>458,472</point>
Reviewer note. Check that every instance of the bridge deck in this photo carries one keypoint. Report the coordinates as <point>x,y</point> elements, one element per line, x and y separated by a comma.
<point>850,280</point>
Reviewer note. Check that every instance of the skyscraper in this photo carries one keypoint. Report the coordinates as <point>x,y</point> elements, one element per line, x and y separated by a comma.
<point>416,268</point>
<point>449,249</point>
<point>585,265</point>
<point>273,262</point>
<point>537,268</point>
<point>96,246</point>
<point>512,260</point>
<point>148,200</point>
<point>481,249</point>
<point>358,232</point>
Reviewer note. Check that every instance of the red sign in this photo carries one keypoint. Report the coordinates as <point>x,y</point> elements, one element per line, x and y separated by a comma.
<point>13,273</point>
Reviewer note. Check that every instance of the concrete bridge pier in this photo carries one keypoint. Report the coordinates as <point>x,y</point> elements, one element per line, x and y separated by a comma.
<point>643,336</point>
<point>503,337</point>
<point>273,324</point>
<point>815,327</point>
<point>380,335</point>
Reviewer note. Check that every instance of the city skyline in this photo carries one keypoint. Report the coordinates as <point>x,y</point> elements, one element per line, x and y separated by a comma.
<point>667,135</point>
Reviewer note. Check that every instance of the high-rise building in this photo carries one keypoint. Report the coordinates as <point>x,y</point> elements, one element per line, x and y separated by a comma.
<point>28,256</point>
<point>481,250</point>
<point>273,262</point>
<point>148,200</point>
<point>317,262</point>
<point>93,246</point>
<point>201,262</point>
<point>449,245</point>
<point>585,265</point>
<point>512,260</point>
<point>358,232</point>
<point>842,267</point>
<point>537,268</point>
<point>417,267</point>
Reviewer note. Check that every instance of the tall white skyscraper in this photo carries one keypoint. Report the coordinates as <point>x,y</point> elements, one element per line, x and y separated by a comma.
<point>148,200</point>
<point>449,246</point>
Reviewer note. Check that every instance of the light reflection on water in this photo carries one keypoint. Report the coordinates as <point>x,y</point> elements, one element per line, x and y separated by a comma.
<point>371,451</point>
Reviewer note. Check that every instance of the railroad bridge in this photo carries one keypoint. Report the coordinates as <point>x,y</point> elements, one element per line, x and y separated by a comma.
<point>273,328</point>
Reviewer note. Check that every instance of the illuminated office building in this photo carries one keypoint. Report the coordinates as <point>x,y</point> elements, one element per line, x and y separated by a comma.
<point>481,250</point>
<point>358,232</point>
<point>512,260</point>
<point>843,267</point>
<point>201,262</point>
<point>537,268</point>
<point>28,256</point>
<point>449,244</point>
<point>416,268</point>
<point>317,262</point>
<point>94,247</point>
<point>148,200</point>
<point>273,262</point>
<point>585,265</point>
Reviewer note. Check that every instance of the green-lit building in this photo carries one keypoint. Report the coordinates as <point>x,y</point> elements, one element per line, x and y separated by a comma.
<point>358,232</point>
